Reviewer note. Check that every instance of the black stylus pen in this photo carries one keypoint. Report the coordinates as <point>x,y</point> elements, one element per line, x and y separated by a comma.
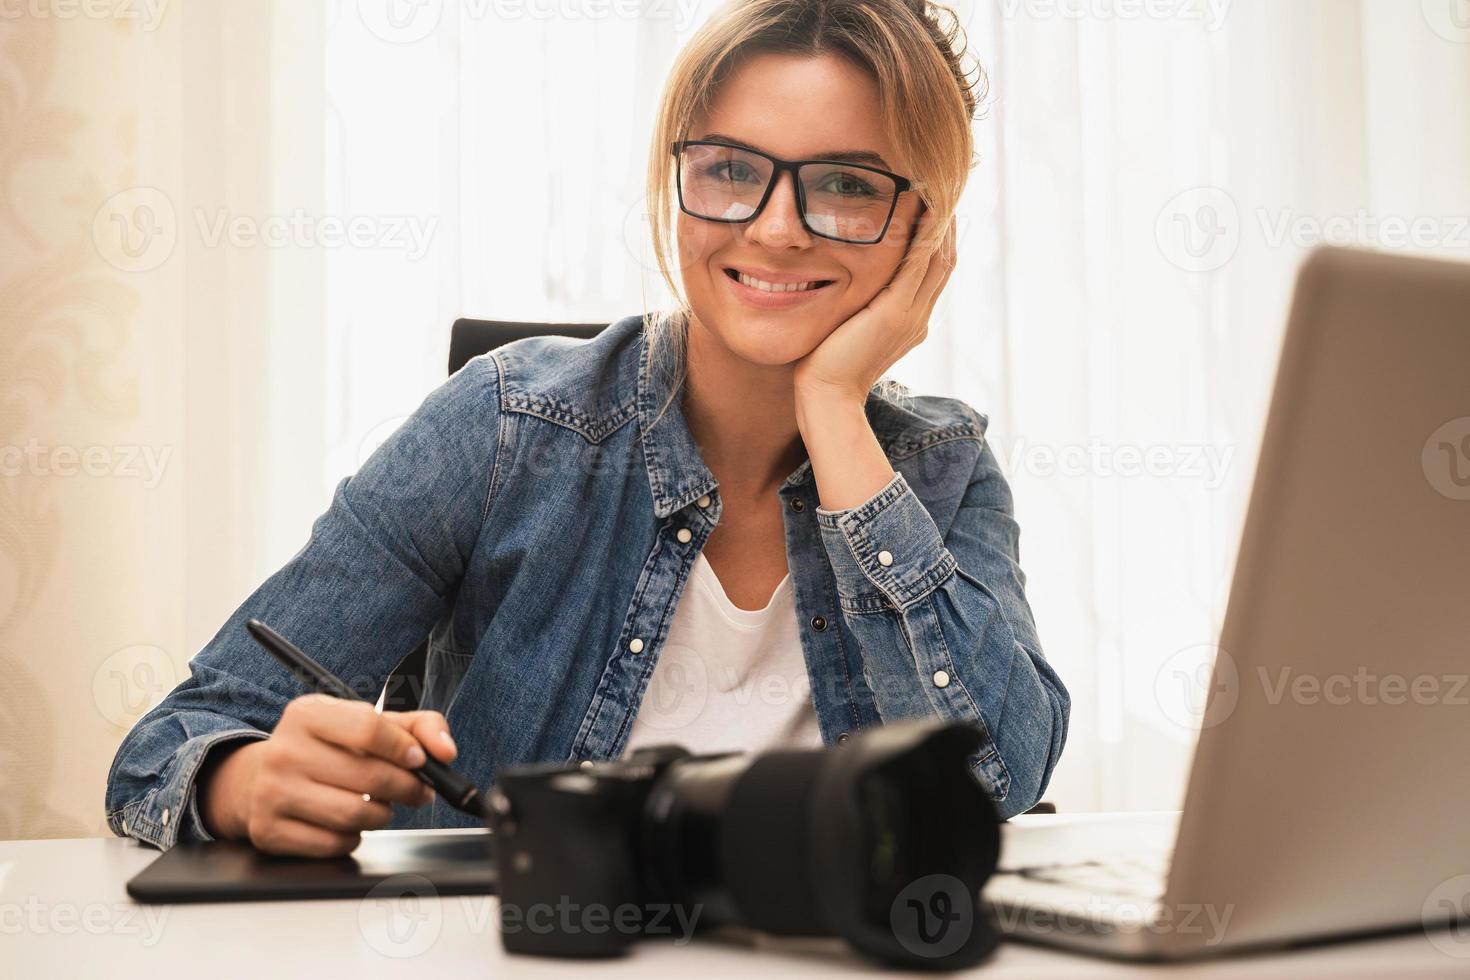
<point>458,791</point>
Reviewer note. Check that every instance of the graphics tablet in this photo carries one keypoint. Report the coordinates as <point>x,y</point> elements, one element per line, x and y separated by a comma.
<point>441,862</point>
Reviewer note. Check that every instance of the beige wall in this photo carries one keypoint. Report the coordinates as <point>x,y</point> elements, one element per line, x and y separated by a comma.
<point>144,358</point>
<point>87,626</point>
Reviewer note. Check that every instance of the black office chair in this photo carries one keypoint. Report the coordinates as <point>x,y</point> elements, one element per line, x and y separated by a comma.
<point>469,339</point>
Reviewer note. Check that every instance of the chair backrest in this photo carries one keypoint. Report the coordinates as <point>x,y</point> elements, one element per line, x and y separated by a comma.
<point>469,339</point>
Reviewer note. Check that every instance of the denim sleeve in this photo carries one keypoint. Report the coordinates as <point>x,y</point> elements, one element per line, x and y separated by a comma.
<point>379,569</point>
<point>945,627</point>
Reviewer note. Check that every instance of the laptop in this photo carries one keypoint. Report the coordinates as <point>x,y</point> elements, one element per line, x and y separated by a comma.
<point>1329,794</point>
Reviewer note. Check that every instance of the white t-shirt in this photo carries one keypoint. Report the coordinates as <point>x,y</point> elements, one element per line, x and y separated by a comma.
<point>728,679</point>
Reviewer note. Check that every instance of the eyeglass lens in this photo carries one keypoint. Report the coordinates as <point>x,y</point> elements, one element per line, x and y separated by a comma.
<point>843,201</point>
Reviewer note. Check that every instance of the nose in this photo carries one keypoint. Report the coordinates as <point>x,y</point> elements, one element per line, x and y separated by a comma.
<point>779,223</point>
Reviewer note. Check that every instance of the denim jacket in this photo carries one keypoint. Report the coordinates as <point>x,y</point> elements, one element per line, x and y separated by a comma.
<point>533,523</point>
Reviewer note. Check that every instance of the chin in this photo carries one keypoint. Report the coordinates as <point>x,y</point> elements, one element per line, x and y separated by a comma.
<point>766,339</point>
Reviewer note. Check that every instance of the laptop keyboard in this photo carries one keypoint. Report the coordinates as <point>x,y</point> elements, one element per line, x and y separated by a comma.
<point>1137,875</point>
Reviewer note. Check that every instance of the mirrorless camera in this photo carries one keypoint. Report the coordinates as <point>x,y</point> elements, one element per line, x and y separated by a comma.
<point>884,841</point>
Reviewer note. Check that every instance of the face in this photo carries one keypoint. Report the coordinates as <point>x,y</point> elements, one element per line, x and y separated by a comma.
<point>795,108</point>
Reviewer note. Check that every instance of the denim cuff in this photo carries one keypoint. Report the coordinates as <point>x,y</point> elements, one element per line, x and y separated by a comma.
<point>886,552</point>
<point>169,813</point>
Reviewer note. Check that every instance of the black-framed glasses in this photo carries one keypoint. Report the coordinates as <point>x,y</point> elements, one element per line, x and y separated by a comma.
<point>846,202</point>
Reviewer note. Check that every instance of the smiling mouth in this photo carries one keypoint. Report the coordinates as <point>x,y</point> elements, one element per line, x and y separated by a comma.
<point>777,287</point>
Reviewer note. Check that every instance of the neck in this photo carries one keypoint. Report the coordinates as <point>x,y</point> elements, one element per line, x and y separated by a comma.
<point>742,416</point>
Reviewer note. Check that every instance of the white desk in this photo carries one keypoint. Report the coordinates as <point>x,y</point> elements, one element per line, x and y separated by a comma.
<point>64,913</point>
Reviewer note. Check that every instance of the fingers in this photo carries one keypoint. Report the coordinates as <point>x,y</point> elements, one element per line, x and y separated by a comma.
<point>380,779</point>
<point>430,729</point>
<point>338,810</point>
<point>916,285</point>
<point>354,725</point>
<point>289,836</point>
<point>331,769</point>
<point>941,264</point>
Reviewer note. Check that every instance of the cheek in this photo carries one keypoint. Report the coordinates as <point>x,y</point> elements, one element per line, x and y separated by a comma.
<point>872,271</point>
<point>697,241</point>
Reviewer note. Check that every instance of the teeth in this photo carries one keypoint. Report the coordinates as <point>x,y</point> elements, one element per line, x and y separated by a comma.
<point>774,287</point>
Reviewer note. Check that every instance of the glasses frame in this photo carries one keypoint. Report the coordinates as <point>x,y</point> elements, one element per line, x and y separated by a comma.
<point>901,185</point>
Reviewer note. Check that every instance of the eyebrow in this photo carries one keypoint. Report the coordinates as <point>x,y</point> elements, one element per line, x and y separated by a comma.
<point>845,156</point>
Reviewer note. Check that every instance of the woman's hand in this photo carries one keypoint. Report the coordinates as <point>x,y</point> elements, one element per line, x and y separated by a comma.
<point>301,790</point>
<point>852,358</point>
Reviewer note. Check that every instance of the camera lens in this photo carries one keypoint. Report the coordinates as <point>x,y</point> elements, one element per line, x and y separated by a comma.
<point>843,842</point>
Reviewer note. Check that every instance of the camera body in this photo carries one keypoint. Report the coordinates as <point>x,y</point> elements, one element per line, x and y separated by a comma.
<point>569,856</point>
<point>884,841</point>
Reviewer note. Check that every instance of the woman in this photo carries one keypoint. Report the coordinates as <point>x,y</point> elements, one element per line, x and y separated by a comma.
<point>540,515</point>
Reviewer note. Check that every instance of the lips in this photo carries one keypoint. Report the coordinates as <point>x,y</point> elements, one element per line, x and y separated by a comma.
<point>765,280</point>
<point>769,299</point>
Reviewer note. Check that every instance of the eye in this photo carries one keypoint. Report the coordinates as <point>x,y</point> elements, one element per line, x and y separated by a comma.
<point>731,170</point>
<point>850,185</point>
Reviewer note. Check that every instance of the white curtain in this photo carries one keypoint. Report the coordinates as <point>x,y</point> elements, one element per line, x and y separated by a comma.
<point>234,238</point>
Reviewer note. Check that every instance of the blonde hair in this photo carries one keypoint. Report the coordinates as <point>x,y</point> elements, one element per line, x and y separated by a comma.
<point>913,49</point>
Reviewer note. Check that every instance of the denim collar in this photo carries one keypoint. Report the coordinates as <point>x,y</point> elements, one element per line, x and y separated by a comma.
<point>677,472</point>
